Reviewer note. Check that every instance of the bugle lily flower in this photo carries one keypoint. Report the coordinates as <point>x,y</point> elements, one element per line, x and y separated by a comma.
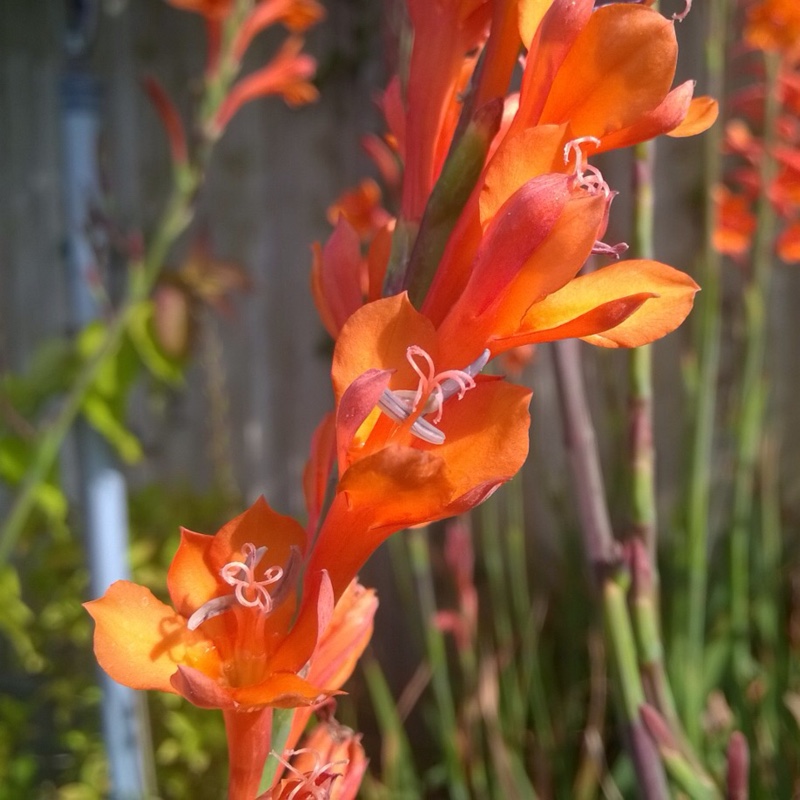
<point>236,637</point>
<point>455,438</point>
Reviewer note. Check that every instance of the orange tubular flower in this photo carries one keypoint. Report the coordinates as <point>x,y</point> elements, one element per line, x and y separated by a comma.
<point>459,435</point>
<point>594,80</point>
<point>236,638</point>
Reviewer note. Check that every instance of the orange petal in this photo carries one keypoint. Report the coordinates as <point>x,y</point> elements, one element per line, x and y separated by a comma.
<point>788,244</point>
<point>138,640</point>
<point>554,260</point>
<point>260,526</point>
<point>200,690</point>
<point>666,118</point>
<point>559,29</point>
<point>336,278</point>
<point>318,470</point>
<point>487,436</point>
<point>315,613</point>
<point>520,226</point>
<point>636,302</point>
<point>520,157</point>
<point>620,67</point>
<point>345,638</point>
<point>702,114</point>
<point>190,579</point>
<point>281,690</point>
<point>376,337</point>
<point>355,405</point>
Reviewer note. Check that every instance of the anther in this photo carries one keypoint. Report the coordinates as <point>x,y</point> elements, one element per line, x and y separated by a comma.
<point>248,591</point>
<point>400,404</point>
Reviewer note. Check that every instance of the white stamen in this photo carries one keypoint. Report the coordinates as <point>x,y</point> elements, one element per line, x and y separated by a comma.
<point>400,404</point>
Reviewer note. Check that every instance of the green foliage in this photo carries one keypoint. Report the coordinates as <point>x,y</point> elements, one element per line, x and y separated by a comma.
<point>50,740</point>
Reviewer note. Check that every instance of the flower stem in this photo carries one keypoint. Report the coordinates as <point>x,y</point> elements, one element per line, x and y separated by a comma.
<point>643,509</point>
<point>689,652</point>
<point>437,656</point>
<point>754,392</point>
<point>604,563</point>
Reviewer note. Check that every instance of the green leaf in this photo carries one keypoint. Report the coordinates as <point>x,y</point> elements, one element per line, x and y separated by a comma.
<point>16,619</point>
<point>15,458</point>
<point>106,420</point>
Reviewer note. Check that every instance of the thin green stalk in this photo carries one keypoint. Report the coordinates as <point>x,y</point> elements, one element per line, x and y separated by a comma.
<point>643,495</point>
<point>437,658</point>
<point>689,644</point>
<point>602,553</point>
<point>531,680</point>
<point>143,276</point>
<point>753,388</point>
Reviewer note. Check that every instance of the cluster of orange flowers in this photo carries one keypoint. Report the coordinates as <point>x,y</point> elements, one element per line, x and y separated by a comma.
<point>773,27</point>
<point>499,211</point>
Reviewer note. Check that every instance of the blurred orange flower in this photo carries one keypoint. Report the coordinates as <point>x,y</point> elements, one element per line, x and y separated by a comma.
<point>774,25</point>
<point>330,764</point>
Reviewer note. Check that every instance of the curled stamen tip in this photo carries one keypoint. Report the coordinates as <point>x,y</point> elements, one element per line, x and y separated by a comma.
<point>680,16</point>
<point>575,144</point>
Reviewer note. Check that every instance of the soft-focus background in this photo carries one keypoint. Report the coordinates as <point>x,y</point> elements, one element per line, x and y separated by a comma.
<point>256,381</point>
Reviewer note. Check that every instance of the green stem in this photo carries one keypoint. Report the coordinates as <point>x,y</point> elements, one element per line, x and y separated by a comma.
<point>643,494</point>
<point>604,561</point>
<point>752,403</point>
<point>437,657</point>
<point>689,652</point>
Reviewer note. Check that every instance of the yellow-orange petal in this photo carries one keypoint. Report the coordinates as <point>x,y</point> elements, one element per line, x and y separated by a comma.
<point>138,640</point>
<point>376,337</point>
<point>520,157</point>
<point>620,67</point>
<point>531,13</point>
<point>260,526</point>
<point>190,580</point>
<point>671,294</point>
<point>702,114</point>
<point>345,638</point>
<point>281,690</point>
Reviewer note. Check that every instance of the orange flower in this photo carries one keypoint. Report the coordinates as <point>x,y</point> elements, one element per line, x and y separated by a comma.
<point>347,635</point>
<point>462,436</point>
<point>521,286</point>
<point>735,223</point>
<point>361,207</point>
<point>594,80</point>
<point>288,74</point>
<point>330,764</point>
<point>236,638</point>
<point>774,25</point>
